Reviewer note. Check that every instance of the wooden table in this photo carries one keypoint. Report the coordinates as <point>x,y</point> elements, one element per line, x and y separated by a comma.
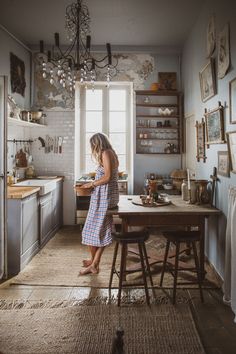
<point>178,213</point>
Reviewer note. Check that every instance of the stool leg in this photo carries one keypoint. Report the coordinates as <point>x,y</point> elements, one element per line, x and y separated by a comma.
<point>176,270</point>
<point>143,272</point>
<point>164,262</point>
<point>113,264</point>
<point>147,263</point>
<point>198,270</point>
<point>122,268</point>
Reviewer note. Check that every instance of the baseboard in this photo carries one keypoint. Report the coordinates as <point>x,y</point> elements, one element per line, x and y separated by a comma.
<point>220,280</point>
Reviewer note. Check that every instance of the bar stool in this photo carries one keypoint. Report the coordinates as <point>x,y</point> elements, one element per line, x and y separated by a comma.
<point>178,237</point>
<point>124,239</point>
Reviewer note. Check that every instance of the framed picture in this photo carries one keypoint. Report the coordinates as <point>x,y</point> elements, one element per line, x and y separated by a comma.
<point>223,163</point>
<point>223,52</point>
<point>215,126</point>
<point>231,141</point>
<point>211,36</point>
<point>167,81</point>
<point>207,81</point>
<point>232,100</point>
<point>200,134</point>
<point>18,82</point>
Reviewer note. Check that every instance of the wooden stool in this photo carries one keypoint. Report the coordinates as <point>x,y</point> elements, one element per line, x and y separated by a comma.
<point>124,239</point>
<point>178,237</point>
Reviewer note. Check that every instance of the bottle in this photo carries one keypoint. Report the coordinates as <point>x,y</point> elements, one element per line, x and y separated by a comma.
<point>184,190</point>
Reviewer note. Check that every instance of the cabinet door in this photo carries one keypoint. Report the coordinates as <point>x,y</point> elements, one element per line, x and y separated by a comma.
<point>57,206</point>
<point>30,229</point>
<point>46,225</point>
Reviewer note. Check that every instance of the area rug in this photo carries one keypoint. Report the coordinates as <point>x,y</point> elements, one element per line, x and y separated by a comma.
<point>160,329</point>
<point>59,262</point>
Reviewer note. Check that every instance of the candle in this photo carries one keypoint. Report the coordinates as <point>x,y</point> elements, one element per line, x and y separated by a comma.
<point>188,179</point>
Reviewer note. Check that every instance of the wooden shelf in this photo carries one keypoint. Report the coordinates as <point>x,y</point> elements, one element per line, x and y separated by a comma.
<point>23,123</point>
<point>158,139</point>
<point>156,116</point>
<point>166,105</point>
<point>140,127</point>
<point>157,93</point>
<point>173,101</point>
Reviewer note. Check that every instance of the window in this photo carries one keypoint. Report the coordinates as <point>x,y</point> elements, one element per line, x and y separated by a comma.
<point>106,110</point>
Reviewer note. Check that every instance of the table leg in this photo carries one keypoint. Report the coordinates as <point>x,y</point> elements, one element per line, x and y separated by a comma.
<point>124,228</point>
<point>202,248</point>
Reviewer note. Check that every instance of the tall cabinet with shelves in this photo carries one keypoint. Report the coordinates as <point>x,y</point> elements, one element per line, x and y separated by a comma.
<point>158,122</point>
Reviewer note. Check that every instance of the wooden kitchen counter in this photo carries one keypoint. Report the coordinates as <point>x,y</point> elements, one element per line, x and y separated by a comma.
<point>21,192</point>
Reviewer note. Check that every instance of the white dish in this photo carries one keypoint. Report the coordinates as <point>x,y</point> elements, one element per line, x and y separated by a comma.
<point>168,186</point>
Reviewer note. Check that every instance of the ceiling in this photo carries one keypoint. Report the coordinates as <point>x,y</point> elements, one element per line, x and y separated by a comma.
<point>120,22</point>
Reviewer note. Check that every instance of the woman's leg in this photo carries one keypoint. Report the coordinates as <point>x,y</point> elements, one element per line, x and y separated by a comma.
<point>94,266</point>
<point>88,262</point>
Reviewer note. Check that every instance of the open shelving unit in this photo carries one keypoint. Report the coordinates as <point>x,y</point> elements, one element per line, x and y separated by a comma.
<point>23,123</point>
<point>158,122</point>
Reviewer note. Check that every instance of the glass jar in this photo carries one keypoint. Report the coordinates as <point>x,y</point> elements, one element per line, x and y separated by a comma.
<point>184,190</point>
<point>193,188</point>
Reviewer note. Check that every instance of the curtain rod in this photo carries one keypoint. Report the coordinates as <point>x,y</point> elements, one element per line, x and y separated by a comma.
<point>15,38</point>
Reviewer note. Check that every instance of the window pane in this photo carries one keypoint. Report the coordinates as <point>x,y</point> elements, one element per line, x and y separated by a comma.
<point>117,121</point>
<point>93,122</point>
<point>117,100</point>
<point>122,163</point>
<point>118,142</point>
<point>87,143</point>
<point>90,165</point>
<point>93,100</point>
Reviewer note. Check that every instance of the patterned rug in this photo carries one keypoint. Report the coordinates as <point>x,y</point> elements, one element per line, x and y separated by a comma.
<point>159,329</point>
<point>59,262</point>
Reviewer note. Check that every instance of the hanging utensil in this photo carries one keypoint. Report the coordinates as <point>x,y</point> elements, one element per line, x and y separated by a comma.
<point>60,144</point>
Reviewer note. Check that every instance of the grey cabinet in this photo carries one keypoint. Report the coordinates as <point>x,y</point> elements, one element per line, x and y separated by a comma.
<point>50,213</point>
<point>23,232</point>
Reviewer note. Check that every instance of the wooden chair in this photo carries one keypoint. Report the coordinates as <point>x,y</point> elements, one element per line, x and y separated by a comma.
<point>124,239</point>
<point>178,237</point>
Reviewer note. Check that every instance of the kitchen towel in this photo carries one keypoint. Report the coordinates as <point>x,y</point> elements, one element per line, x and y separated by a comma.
<point>230,253</point>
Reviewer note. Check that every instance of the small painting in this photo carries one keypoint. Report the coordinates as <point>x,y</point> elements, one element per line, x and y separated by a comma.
<point>167,81</point>
<point>215,126</point>
<point>232,100</point>
<point>223,163</point>
<point>231,141</point>
<point>201,148</point>
<point>18,82</point>
<point>211,36</point>
<point>223,52</point>
<point>207,81</point>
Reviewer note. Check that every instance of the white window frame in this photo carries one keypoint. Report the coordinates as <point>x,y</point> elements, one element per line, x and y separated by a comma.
<point>80,125</point>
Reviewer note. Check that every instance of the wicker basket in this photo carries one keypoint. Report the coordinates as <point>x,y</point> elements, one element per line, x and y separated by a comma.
<point>82,192</point>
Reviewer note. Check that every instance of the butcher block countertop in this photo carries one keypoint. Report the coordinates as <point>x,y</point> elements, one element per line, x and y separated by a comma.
<point>21,192</point>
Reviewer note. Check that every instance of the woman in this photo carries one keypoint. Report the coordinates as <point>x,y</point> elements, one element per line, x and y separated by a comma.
<point>105,195</point>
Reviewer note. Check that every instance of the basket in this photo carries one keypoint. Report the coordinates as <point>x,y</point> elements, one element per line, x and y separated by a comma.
<point>82,192</point>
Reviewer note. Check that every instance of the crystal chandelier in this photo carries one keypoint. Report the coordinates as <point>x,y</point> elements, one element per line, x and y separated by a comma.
<point>76,63</point>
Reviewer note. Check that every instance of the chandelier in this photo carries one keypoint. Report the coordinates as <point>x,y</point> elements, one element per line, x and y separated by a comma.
<point>76,63</point>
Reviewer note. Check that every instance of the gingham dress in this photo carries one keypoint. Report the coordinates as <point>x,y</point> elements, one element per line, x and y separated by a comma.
<point>98,225</point>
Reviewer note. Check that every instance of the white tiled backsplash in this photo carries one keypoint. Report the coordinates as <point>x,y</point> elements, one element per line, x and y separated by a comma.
<point>61,123</point>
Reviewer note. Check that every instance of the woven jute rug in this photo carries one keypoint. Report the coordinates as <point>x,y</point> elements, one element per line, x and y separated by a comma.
<point>59,262</point>
<point>163,329</point>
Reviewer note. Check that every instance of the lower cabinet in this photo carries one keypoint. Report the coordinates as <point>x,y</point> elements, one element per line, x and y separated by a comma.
<point>50,214</point>
<point>22,232</point>
<point>32,221</point>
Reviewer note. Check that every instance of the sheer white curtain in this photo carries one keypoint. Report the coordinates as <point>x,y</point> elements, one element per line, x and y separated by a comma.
<point>230,253</point>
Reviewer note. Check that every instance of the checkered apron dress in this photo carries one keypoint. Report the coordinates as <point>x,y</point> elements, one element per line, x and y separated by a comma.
<point>98,225</point>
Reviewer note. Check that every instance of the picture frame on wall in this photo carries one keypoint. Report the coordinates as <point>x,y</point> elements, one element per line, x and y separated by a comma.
<point>214,120</point>
<point>211,36</point>
<point>200,135</point>
<point>223,163</point>
<point>167,81</point>
<point>232,101</point>
<point>17,69</point>
<point>231,142</point>
<point>223,52</point>
<point>207,81</point>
